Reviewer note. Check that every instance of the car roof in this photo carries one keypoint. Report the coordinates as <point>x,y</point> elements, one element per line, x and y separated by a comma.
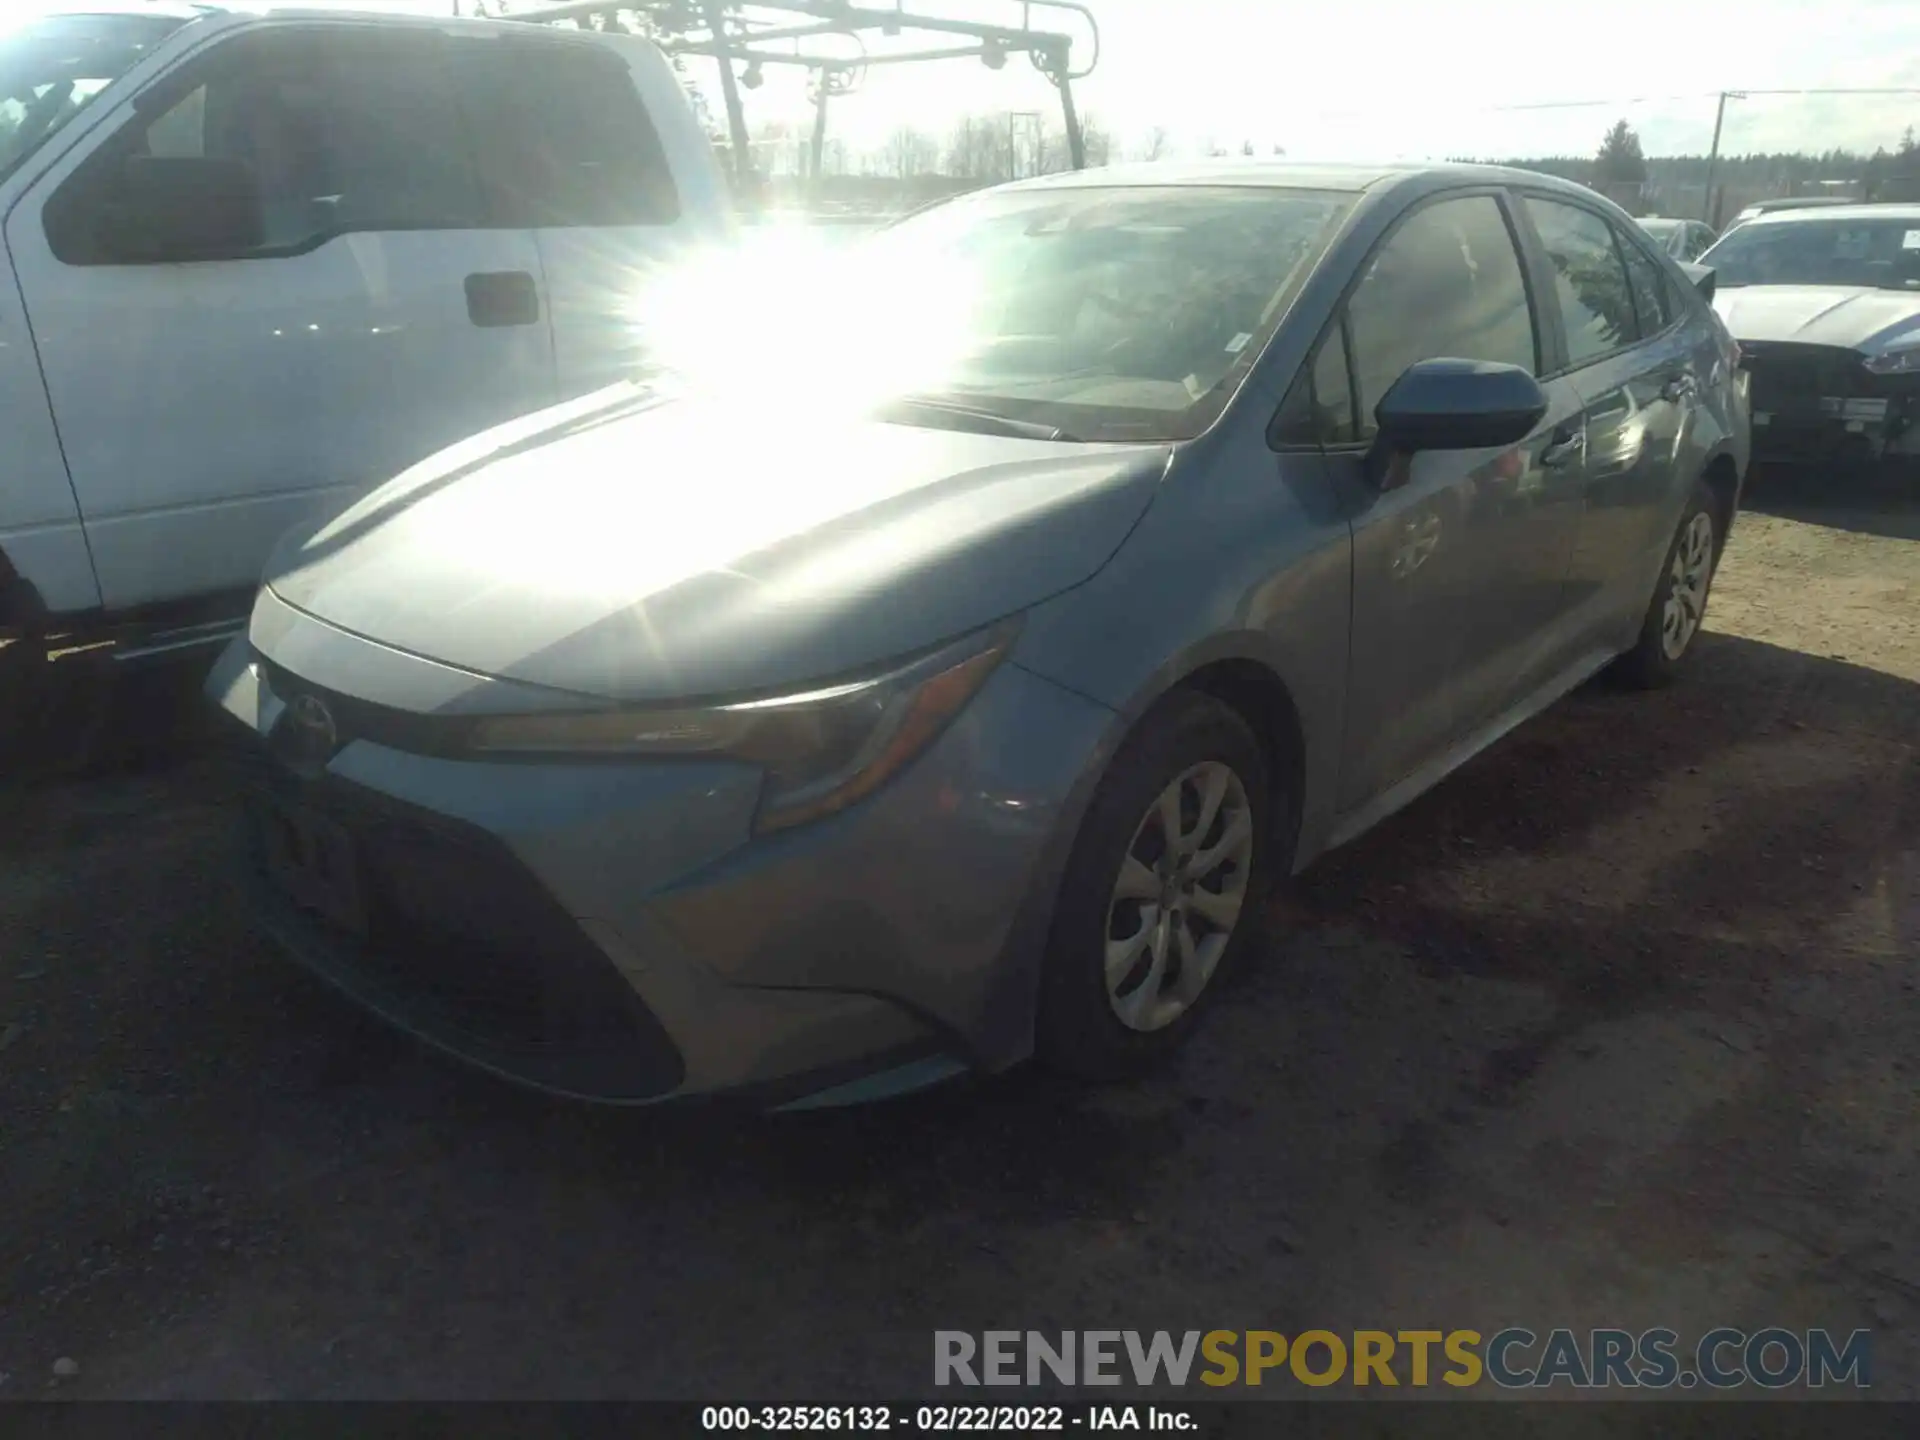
<point>365,11</point>
<point>162,9</point>
<point>1837,212</point>
<point>1286,175</point>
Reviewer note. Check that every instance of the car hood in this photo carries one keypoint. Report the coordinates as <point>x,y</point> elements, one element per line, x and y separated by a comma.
<point>667,550</point>
<point>1857,319</point>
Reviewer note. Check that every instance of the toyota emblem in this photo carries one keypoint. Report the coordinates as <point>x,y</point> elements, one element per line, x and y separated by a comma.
<point>307,733</point>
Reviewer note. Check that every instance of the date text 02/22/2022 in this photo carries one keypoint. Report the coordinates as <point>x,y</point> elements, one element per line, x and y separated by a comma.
<point>943,1419</point>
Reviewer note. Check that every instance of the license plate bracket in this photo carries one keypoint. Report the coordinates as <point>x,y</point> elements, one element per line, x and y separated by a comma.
<point>314,862</point>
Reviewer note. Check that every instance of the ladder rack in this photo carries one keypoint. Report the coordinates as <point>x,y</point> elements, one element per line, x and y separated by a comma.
<point>752,34</point>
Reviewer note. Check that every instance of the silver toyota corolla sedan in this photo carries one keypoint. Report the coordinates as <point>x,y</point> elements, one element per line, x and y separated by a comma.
<point>934,665</point>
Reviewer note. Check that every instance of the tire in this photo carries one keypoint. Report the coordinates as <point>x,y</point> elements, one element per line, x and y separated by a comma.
<point>23,669</point>
<point>1679,605</point>
<point>1205,748</point>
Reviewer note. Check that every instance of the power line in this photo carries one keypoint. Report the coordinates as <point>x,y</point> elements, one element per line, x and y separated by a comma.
<point>1898,90</point>
<point>1697,95</point>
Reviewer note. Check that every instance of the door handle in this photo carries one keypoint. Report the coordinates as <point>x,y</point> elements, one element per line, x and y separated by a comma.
<point>502,297</point>
<point>1679,387</point>
<point>1564,447</point>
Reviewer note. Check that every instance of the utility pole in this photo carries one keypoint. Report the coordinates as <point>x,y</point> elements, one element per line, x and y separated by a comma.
<point>1713,155</point>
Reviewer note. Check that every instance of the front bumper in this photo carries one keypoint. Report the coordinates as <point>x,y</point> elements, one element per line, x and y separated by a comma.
<point>612,931</point>
<point>1815,403</point>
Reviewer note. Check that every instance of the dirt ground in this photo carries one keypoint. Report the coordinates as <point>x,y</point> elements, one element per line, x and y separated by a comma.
<point>1618,1027</point>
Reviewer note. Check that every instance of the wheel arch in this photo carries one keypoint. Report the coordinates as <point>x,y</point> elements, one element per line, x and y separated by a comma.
<point>22,607</point>
<point>1241,671</point>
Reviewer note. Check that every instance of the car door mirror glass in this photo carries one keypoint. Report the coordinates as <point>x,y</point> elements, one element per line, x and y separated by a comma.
<point>1449,404</point>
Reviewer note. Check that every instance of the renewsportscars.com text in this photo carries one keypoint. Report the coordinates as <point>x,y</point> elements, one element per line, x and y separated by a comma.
<point>1513,1358</point>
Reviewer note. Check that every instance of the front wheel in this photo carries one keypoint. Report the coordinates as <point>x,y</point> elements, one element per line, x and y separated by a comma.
<point>1161,891</point>
<point>1679,605</point>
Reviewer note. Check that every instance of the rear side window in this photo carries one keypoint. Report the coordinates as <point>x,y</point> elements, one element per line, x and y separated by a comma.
<point>1648,288</point>
<point>1447,283</point>
<point>1590,279</point>
<point>564,138</point>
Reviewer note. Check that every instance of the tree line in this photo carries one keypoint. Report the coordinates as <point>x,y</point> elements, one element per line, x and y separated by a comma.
<point>1622,160</point>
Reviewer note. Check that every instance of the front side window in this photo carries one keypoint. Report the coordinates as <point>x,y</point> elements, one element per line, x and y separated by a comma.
<point>52,67</point>
<point>1884,254</point>
<point>564,138</point>
<point>1590,279</point>
<point>1446,284</point>
<point>1318,409</point>
<point>334,131</point>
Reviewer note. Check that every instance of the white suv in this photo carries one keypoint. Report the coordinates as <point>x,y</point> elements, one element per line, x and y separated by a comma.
<point>263,259</point>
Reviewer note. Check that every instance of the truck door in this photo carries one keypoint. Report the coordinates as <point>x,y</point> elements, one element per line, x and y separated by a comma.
<point>43,552</point>
<point>209,402</point>
<point>593,146</point>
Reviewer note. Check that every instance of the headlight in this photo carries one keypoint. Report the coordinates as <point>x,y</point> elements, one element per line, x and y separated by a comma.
<point>1904,360</point>
<point>821,750</point>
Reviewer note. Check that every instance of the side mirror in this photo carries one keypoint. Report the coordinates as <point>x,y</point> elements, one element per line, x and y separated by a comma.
<point>1456,405</point>
<point>176,209</point>
<point>1702,277</point>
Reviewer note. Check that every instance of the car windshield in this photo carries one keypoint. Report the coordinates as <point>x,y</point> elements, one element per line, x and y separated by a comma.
<point>52,66</point>
<point>1100,314</point>
<point>1882,253</point>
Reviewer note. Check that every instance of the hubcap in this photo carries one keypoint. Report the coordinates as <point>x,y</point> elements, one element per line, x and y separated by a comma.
<point>1687,586</point>
<point>1178,896</point>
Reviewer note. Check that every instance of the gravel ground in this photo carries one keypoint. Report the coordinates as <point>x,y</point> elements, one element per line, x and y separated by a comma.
<point>1617,1027</point>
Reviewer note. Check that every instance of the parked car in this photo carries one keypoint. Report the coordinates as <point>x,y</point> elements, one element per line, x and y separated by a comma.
<point>266,256</point>
<point>1786,202</point>
<point>1826,306</point>
<point>1184,521</point>
<point>1682,239</point>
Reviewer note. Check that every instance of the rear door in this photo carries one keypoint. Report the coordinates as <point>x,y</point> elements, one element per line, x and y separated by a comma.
<point>205,407</point>
<point>1629,356</point>
<point>590,145</point>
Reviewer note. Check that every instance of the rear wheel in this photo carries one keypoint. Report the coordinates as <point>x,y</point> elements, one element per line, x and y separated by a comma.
<point>1161,892</point>
<point>1679,605</point>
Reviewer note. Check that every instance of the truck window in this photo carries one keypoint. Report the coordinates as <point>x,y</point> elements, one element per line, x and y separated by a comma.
<point>340,131</point>
<point>52,67</point>
<point>563,137</point>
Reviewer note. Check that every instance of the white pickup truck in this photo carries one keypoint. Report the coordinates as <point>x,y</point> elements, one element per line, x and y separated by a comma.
<point>258,259</point>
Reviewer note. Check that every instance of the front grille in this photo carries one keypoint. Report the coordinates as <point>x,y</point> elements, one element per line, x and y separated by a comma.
<point>364,720</point>
<point>464,946</point>
<point>1793,379</point>
<point>1820,402</point>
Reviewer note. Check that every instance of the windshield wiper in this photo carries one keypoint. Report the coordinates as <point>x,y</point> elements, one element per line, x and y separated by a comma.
<point>968,417</point>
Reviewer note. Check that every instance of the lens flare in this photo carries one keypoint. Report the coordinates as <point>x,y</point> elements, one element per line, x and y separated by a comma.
<point>792,323</point>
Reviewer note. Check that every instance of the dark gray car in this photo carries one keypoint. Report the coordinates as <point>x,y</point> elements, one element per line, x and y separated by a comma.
<point>940,673</point>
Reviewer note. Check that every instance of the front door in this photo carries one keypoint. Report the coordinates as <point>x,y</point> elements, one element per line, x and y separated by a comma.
<point>1459,561</point>
<point>206,407</point>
